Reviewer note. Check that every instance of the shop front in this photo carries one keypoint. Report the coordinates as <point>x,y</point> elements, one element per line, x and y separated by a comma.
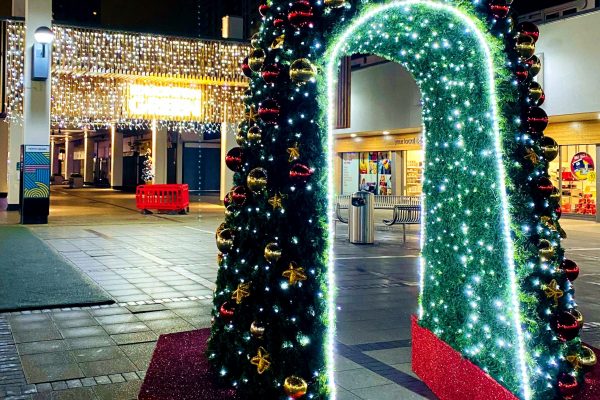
<point>391,163</point>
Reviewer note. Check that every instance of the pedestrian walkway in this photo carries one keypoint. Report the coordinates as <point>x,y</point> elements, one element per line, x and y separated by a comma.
<point>160,270</point>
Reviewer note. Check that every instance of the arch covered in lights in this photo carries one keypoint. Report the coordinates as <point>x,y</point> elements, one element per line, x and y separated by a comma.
<point>469,294</point>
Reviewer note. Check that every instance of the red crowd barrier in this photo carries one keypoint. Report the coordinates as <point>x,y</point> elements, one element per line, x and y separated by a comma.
<point>162,197</point>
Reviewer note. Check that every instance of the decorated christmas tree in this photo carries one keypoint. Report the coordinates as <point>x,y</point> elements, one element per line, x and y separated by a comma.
<point>495,284</point>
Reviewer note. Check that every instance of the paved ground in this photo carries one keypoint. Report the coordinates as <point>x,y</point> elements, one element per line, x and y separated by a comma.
<point>160,269</point>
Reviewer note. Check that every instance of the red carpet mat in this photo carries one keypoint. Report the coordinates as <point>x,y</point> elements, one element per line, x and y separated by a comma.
<point>179,370</point>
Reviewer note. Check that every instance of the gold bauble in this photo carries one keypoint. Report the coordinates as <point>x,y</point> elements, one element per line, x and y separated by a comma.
<point>272,253</point>
<point>587,357</point>
<point>535,92</point>
<point>224,240</point>
<point>549,147</point>
<point>334,3</point>
<point>545,250</point>
<point>302,71</point>
<point>257,180</point>
<point>535,66</point>
<point>254,135</point>
<point>525,46</point>
<point>255,41</point>
<point>295,386</point>
<point>240,137</point>
<point>257,330</point>
<point>256,59</point>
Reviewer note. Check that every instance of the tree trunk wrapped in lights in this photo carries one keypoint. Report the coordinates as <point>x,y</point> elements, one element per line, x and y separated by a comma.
<point>494,282</point>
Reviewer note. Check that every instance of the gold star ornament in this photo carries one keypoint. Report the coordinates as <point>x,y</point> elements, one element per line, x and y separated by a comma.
<point>553,291</point>
<point>294,153</point>
<point>294,274</point>
<point>261,360</point>
<point>532,157</point>
<point>250,116</point>
<point>276,201</point>
<point>242,291</point>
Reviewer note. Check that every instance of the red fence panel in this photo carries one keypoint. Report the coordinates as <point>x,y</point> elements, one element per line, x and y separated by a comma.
<point>162,197</point>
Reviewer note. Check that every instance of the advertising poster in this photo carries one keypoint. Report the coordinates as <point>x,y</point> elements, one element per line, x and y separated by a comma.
<point>36,172</point>
<point>349,173</point>
<point>368,172</point>
<point>385,173</point>
<point>582,167</point>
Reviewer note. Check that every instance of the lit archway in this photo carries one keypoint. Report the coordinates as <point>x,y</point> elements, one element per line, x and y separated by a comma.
<point>493,278</point>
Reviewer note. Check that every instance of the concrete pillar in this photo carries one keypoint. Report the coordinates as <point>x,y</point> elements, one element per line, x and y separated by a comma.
<point>15,141</point>
<point>179,161</point>
<point>227,143</point>
<point>398,168</point>
<point>3,157</point>
<point>88,161</point>
<point>116,158</point>
<point>159,153</point>
<point>35,201</point>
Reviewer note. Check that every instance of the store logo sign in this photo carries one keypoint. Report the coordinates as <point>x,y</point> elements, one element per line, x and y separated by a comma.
<point>582,166</point>
<point>163,102</point>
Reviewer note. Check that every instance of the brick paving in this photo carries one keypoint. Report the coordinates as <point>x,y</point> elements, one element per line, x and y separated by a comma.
<point>160,271</point>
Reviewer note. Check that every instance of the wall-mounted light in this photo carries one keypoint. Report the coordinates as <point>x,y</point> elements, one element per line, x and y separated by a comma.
<point>40,70</point>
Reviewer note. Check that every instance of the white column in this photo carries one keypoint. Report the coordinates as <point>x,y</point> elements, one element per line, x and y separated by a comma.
<point>88,161</point>
<point>179,162</point>
<point>15,140</point>
<point>159,153</point>
<point>35,204</point>
<point>52,150</point>
<point>3,157</point>
<point>116,158</point>
<point>227,143</point>
<point>67,157</point>
<point>398,164</point>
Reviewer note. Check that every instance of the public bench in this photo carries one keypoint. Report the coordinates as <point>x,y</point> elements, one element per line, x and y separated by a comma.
<point>163,197</point>
<point>406,209</point>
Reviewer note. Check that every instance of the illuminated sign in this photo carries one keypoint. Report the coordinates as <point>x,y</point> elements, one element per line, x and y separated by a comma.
<point>163,102</point>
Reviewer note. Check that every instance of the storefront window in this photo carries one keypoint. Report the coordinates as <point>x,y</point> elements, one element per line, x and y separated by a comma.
<point>414,172</point>
<point>368,171</point>
<point>574,172</point>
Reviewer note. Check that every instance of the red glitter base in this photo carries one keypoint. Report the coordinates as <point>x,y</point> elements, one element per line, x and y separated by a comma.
<point>452,377</point>
<point>447,373</point>
<point>179,370</point>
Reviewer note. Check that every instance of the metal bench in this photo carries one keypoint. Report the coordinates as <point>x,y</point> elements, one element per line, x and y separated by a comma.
<point>405,215</point>
<point>381,203</point>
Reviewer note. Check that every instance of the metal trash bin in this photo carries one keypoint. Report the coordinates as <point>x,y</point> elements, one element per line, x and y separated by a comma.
<point>361,221</point>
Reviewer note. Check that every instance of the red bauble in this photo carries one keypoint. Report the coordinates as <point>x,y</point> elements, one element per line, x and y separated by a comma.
<point>269,110</point>
<point>239,195</point>
<point>227,201</point>
<point>565,325</point>
<point>500,8</point>
<point>537,120</point>
<point>568,386</point>
<point>246,68</point>
<point>263,9</point>
<point>227,311</point>
<point>279,20</point>
<point>300,173</point>
<point>233,159</point>
<point>544,186</point>
<point>271,72</point>
<point>529,29</point>
<point>522,73</point>
<point>301,14</point>
<point>570,268</point>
